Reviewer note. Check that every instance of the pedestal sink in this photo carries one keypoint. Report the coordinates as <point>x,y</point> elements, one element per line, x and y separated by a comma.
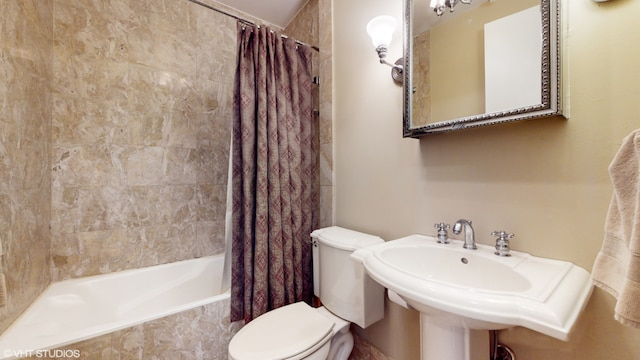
<point>461,294</point>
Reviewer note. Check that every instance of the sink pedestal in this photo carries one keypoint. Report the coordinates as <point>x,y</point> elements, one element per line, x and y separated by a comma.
<point>442,340</point>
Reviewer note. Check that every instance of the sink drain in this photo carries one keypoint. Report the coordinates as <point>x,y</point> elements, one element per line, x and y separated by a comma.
<point>464,260</point>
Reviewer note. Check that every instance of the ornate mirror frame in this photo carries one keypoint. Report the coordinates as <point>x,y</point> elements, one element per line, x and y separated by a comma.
<point>550,104</point>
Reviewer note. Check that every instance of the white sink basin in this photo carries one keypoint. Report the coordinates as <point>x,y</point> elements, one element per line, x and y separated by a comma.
<point>476,289</point>
<point>455,267</point>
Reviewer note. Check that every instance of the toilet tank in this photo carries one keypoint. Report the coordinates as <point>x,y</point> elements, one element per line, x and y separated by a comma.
<point>340,281</point>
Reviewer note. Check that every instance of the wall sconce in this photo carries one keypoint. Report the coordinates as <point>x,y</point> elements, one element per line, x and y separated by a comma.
<point>381,30</point>
<point>439,6</point>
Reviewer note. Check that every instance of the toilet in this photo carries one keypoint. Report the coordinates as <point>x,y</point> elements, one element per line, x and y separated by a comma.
<point>299,331</point>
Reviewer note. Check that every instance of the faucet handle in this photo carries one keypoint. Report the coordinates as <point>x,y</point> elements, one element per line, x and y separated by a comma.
<point>441,226</point>
<point>443,235</point>
<point>503,235</point>
<point>502,242</point>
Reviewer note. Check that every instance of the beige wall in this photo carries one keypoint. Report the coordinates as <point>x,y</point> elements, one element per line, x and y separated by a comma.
<point>26,52</point>
<point>544,180</point>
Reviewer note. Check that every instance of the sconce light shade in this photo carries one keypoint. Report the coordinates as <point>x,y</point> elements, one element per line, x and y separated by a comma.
<point>381,30</point>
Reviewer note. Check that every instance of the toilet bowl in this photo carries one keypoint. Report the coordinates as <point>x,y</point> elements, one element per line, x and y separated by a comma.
<point>299,331</point>
<point>293,332</point>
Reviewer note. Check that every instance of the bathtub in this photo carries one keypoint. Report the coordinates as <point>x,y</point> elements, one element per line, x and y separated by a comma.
<point>79,309</point>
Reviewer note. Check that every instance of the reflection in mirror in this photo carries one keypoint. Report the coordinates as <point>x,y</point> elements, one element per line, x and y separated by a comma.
<point>485,63</point>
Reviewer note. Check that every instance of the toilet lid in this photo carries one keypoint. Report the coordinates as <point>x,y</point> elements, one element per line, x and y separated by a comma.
<point>280,333</point>
<point>345,239</point>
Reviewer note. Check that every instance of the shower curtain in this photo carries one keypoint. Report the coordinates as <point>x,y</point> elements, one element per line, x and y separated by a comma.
<point>274,179</point>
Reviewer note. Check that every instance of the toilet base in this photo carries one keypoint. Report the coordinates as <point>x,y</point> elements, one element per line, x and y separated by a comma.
<point>341,346</point>
<point>342,341</point>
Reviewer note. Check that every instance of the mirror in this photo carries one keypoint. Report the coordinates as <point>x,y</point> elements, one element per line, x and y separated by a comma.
<point>461,71</point>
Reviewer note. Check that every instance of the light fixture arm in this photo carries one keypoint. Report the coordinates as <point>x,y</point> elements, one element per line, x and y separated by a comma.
<point>398,67</point>
<point>382,54</point>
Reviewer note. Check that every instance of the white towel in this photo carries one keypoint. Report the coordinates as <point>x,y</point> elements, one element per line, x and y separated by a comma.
<point>617,266</point>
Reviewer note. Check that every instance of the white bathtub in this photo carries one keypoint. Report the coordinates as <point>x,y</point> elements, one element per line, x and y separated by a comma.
<point>75,310</point>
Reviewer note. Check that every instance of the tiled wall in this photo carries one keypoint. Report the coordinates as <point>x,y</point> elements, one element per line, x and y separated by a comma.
<point>199,334</point>
<point>114,137</point>
<point>312,25</point>
<point>142,106</point>
<point>25,185</point>
<point>364,350</point>
<point>325,10</point>
<point>422,99</point>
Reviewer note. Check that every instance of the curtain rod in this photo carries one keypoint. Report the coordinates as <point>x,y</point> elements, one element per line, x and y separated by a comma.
<point>247,22</point>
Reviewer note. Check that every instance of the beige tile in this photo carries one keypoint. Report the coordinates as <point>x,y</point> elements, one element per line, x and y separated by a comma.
<point>361,349</point>
<point>128,344</point>
<point>211,202</point>
<point>78,120</point>
<point>304,26</point>
<point>213,166</point>
<point>326,165</point>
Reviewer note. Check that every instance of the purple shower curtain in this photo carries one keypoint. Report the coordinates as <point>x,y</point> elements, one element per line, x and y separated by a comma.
<point>274,174</point>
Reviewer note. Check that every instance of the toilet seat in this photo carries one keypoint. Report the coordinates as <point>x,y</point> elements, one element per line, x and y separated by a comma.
<point>289,332</point>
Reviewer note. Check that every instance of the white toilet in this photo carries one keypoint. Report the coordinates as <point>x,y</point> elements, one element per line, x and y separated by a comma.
<point>299,331</point>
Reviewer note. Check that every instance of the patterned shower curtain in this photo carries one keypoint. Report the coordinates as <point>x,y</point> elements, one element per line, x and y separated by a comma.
<point>274,180</point>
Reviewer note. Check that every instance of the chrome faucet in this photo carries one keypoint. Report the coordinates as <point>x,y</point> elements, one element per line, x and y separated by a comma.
<point>469,237</point>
